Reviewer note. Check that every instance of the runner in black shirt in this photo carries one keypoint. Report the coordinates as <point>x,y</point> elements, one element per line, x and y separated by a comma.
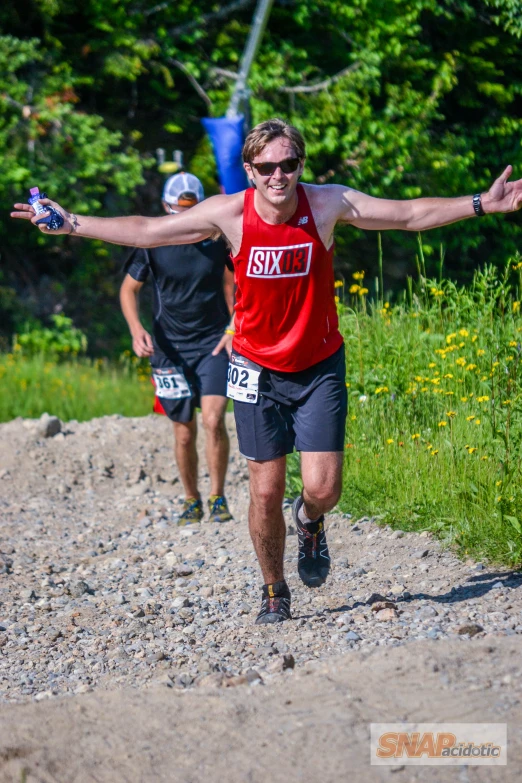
<point>193,299</point>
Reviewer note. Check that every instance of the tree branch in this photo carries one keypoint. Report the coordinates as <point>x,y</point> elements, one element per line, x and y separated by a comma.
<point>223,72</point>
<point>197,86</point>
<point>321,85</point>
<point>299,88</point>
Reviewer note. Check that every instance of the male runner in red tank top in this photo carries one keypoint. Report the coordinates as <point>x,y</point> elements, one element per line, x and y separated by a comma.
<point>287,368</point>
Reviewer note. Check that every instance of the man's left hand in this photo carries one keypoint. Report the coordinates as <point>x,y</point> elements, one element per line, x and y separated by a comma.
<point>503,196</point>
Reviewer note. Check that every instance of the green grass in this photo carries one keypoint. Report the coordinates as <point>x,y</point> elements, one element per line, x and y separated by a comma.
<point>434,430</point>
<point>77,389</point>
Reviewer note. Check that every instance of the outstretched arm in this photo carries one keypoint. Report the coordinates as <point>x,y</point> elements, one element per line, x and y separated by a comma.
<point>420,214</point>
<point>193,225</point>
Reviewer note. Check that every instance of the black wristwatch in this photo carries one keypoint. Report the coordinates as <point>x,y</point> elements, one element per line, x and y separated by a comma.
<point>477,205</point>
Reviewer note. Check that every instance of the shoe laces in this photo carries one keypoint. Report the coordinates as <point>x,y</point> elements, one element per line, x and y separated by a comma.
<point>219,503</point>
<point>276,605</point>
<point>309,539</point>
<point>191,505</point>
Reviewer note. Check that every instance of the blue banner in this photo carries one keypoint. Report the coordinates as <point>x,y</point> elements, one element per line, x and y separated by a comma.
<point>227,137</point>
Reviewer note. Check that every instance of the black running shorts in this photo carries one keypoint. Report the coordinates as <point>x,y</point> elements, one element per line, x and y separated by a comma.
<point>306,410</point>
<point>180,385</point>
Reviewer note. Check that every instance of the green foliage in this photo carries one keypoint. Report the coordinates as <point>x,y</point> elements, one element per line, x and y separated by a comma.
<point>76,389</point>
<point>434,431</point>
<point>397,99</point>
<point>61,340</point>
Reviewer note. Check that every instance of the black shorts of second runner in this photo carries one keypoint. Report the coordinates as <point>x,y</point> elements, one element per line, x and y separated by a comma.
<point>306,410</point>
<point>205,375</point>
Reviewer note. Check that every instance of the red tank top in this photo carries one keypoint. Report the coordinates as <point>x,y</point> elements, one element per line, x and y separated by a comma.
<point>285,313</point>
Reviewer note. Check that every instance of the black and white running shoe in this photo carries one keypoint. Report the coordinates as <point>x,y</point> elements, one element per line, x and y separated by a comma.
<point>275,605</point>
<point>313,564</point>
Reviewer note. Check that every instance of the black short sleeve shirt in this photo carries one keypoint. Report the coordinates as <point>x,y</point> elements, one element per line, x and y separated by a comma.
<point>190,312</point>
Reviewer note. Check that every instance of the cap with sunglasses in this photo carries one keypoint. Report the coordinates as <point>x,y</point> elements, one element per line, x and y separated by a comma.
<point>287,166</point>
<point>183,190</point>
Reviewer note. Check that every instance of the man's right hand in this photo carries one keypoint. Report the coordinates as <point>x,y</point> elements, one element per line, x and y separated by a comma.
<point>142,343</point>
<point>26,212</point>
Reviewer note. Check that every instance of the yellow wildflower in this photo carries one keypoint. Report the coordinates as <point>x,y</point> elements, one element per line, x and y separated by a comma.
<point>354,288</point>
<point>448,375</point>
<point>338,284</point>
<point>463,332</point>
<point>481,352</point>
<point>435,451</point>
<point>358,275</point>
<point>389,441</point>
<point>381,389</point>
<point>451,414</point>
<point>415,435</point>
<point>463,399</point>
<point>469,418</point>
<point>471,449</point>
<point>513,344</point>
<point>484,458</point>
<point>516,307</point>
<point>461,361</point>
<point>484,398</point>
<point>431,364</point>
<point>477,421</point>
<point>470,367</point>
<point>442,424</point>
<point>362,291</point>
<point>450,337</point>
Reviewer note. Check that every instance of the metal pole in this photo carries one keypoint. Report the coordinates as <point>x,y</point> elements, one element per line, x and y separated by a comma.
<point>257,29</point>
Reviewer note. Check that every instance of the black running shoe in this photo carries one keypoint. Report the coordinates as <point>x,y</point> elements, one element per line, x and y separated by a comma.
<point>314,561</point>
<point>275,606</point>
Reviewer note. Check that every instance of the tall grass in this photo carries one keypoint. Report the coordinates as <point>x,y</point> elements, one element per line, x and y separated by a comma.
<point>76,389</point>
<point>434,429</point>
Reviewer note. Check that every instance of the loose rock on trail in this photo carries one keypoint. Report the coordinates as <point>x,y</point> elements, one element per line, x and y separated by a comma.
<point>148,628</point>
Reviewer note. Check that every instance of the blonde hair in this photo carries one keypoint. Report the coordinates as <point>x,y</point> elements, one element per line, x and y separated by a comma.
<point>267,131</point>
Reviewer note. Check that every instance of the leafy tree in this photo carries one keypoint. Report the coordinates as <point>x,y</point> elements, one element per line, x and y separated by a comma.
<point>397,99</point>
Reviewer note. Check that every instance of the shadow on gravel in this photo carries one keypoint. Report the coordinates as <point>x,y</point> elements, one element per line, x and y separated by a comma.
<point>476,586</point>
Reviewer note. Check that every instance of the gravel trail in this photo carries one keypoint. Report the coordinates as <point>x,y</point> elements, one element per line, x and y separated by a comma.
<point>104,599</point>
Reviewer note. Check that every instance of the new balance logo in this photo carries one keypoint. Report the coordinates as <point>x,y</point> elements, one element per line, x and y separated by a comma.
<point>289,261</point>
<point>302,220</point>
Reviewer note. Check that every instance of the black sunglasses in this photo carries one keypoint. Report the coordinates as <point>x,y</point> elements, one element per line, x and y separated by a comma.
<point>287,166</point>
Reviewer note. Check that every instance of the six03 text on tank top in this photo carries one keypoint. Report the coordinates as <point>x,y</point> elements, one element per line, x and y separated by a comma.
<point>285,313</point>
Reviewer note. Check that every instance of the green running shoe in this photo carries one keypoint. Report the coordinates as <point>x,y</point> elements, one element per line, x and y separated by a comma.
<point>192,512</point>
<point>218,509</point>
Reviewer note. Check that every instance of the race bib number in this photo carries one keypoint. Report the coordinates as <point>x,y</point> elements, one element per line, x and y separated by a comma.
<point>171,384</point>
<point>243,379</point>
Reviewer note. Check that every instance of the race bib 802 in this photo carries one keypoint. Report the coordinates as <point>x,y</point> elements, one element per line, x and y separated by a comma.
<point>243,379</point>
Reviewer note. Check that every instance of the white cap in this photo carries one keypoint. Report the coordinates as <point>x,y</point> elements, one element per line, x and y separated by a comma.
<point>183,185</point>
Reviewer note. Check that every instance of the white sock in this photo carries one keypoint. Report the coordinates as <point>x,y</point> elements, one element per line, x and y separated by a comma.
<point>303,518</point>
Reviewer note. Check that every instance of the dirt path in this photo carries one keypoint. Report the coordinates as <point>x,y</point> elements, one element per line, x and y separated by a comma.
<point>147,629</point>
